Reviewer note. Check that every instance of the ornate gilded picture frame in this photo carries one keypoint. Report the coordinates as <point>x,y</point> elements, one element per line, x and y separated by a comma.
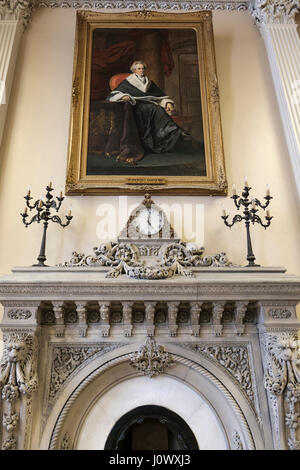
<point>145,112</point>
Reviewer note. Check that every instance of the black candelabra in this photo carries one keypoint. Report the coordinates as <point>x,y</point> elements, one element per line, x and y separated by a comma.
<point>251,207</point>
<point>43,213</point>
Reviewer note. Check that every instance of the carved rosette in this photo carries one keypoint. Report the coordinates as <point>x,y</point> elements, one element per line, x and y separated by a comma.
<point>18,378</point>
<point>151,359</point>
<point>274,11</point>
<point>282,382</point>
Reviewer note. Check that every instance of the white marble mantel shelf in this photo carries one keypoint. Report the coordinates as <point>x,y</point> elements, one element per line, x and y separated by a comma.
<point>208,283</point>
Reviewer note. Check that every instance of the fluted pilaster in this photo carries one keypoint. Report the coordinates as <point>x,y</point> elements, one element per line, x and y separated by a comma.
<point>10,34</point>
<point>276,21</point>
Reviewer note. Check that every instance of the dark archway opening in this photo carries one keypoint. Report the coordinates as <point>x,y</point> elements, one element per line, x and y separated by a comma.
<point>151,427</point>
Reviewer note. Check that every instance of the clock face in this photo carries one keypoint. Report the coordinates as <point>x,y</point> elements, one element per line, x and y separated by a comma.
<point>148,221</point>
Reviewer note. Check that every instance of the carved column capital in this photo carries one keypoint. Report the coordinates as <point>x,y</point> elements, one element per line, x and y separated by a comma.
<point>17,10</point>
<point>274,11</point>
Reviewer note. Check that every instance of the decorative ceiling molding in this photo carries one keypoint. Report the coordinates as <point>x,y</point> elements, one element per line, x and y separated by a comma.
<point>173,5</point>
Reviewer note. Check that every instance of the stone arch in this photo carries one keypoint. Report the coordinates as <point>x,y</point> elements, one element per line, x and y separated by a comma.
<point>232,411</point>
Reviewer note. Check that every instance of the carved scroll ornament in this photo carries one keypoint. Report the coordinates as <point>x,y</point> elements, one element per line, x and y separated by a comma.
<point>173,259</point>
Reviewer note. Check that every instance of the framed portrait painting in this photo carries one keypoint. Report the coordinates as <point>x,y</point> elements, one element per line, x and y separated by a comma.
<point>145,112</point>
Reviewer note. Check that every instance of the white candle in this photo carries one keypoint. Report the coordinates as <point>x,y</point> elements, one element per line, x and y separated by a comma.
<point>268,213</point>
<point>268,190</point>
<point>50,183</point>
<point>29,191</point>
<point>233,189</point>
<point>223,211</point>
<point>25,210</point>
<point>253,204</point>
<point>246,182</point>
<point>69,212</point>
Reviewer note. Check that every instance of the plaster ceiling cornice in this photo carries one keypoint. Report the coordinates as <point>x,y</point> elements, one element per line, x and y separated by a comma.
<point>161,5</point>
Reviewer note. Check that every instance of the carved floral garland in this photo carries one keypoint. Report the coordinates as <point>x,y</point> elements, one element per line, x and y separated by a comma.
<point>174,258</point>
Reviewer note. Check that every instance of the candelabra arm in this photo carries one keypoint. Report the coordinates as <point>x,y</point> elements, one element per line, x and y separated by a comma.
<point>263,206</point>
<point>31,206</point>
<point>36,217</point>
<point>237,201</point>
<point>257,219</point>
<point>57,219</point>
<point>236,218</point>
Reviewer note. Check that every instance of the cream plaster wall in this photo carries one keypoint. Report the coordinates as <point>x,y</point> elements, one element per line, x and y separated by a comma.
<point>36,141</point>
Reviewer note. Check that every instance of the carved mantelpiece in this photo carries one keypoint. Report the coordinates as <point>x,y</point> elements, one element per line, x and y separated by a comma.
<point>209,321</point>
<point>216,315</point>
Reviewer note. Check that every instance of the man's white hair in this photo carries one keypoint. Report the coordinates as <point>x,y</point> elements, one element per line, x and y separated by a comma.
<point>135,63</point>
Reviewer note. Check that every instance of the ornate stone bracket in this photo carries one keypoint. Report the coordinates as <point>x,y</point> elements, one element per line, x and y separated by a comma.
<point>282,382</point>
<point>18,377</point>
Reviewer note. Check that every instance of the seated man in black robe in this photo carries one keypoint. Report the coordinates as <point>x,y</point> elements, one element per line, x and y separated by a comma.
<point>152,111</point>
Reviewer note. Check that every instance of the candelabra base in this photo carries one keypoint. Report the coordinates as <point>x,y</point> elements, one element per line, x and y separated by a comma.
<point>252,265</point>
<point>40,265</point>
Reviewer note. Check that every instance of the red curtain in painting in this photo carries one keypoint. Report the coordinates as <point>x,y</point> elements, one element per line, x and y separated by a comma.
<point>118,59</point>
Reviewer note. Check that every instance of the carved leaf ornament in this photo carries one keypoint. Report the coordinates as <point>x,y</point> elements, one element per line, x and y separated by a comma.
<point>151,359</point>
